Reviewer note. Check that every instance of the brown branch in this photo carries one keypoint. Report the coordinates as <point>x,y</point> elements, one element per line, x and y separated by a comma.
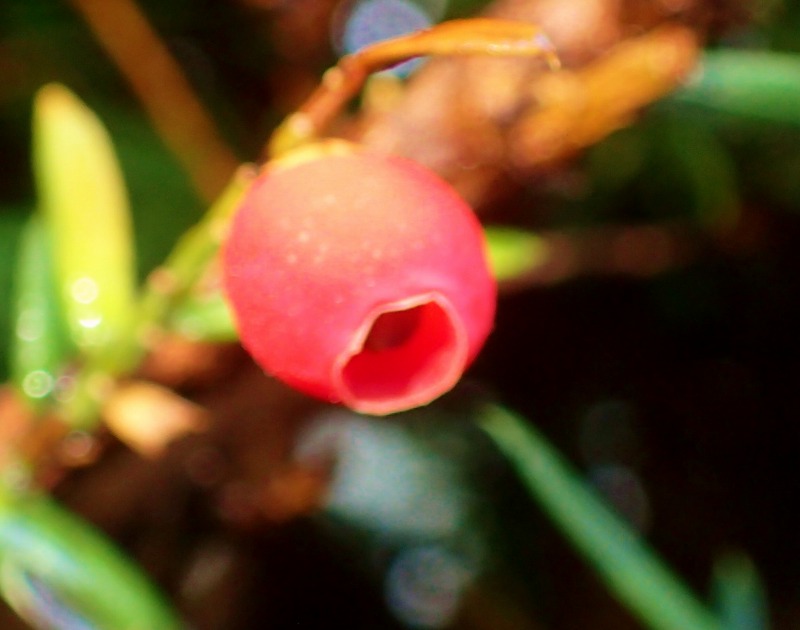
<point>482,122</point>
<point>574,110</point>
<point>479,36</point>
<point>158,82</point>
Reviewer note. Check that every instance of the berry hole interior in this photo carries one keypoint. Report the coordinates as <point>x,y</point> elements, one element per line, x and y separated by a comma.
<point>410,353</point>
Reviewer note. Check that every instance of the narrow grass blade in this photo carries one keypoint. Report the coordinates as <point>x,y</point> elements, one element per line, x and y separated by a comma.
<point>622,559</point>
<point>739,594</point>
<point>761,85</point>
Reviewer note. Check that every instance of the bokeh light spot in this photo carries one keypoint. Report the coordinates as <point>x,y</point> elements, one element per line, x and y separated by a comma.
<point>424,586</point>
<point>370,21</point>
<point>38,384</point>
<point>84,290</point>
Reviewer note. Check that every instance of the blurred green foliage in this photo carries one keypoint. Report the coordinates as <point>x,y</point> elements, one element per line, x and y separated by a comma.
<point>53,564</point>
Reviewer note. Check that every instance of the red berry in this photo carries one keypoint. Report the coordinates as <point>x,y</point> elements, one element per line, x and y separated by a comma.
<point>359,278</point>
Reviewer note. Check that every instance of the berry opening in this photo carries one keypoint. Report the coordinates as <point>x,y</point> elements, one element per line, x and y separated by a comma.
<point>404,357</point>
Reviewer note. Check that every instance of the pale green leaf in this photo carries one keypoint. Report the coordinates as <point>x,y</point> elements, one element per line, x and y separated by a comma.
<point>85,205</point>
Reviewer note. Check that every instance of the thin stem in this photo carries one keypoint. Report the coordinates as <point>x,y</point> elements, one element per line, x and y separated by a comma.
<point>502,38</point>
<point>191,255</point>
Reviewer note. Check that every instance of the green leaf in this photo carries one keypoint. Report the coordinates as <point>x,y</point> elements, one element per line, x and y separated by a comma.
<point>40,343</point>
<point>83,200</point>
<point>630,569</point>
<point>514,253</point>
<point>58,572</point>
<point>762,85</point>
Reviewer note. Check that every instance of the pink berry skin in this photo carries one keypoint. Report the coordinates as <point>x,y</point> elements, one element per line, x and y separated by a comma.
<point>359,278</point>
